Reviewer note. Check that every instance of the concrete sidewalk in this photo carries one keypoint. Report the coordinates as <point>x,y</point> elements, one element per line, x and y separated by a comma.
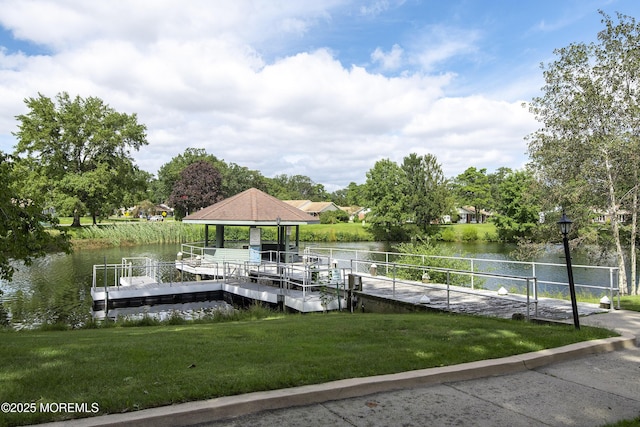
<point>584,384</point>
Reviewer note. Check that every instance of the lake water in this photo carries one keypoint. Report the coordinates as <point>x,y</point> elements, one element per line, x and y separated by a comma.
<point>63,281</point>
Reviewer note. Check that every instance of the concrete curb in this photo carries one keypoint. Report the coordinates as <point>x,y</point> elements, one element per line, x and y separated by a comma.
<point>234,406</point>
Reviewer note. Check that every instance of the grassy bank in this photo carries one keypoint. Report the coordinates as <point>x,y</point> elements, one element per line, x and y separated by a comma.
<point>131,233</point>
<point>131,368</point>
<point>119,232</point>
<point>467,233</point>
<point>135,233</point>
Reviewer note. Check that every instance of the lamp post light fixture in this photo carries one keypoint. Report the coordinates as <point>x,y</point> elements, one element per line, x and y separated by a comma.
<point>565,228</point>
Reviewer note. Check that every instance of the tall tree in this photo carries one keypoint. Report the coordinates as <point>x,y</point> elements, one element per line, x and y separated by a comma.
<point>587,150</point>
<point>518,210</point>
<point>169,173</point>
<point>495,180</point>
<point>23,218</point>
<point>82,150</point>
<point>383,196</point>
<point>296,187</point>
<point>472,188</point>
<point>199,186</point>
<point>425,187</point>
<point>235,178</point>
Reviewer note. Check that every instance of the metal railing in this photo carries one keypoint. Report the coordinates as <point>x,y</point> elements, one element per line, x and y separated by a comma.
<point>165,272</point>
<point>314,273</point>
<point>395,274</point>
<point>591,279</point>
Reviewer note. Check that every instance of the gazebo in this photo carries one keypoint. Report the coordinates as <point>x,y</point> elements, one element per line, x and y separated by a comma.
<point>253,208</point>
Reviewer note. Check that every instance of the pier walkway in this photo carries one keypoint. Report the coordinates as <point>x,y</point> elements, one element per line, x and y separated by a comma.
<point>290,290</point>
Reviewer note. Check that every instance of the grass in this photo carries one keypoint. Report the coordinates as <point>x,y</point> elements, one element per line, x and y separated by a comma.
<point>142,232</point>
<point>467,233</point>
<point>630,302</point>
<point>135,233</point>
<point>131,368</point>
<point>117,232</point>
<point>342,232</point>
<point>626,423</point>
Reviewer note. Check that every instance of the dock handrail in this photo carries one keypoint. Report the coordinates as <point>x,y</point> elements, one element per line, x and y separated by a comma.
<point>531,282</point>
<point>530,268</point>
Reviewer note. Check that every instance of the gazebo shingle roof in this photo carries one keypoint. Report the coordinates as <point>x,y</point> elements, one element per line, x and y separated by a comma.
<point>251,207</point>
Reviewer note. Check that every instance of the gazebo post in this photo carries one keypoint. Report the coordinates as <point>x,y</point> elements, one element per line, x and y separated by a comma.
<point>219,236</point>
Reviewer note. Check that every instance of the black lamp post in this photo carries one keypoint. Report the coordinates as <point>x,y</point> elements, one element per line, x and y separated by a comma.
<point>565,228</point>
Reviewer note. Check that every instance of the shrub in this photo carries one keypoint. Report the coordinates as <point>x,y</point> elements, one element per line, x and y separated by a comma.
<point>408,257</point>
<point>334,217</point>
<point>469,234</point>
<point>447,235</point>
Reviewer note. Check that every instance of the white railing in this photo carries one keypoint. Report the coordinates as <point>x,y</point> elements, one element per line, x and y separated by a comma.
<point>592,279</point>
<point>110,275</point>
<point>396,275</point>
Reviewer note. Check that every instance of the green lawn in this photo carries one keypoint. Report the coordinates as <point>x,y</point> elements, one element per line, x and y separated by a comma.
<point>342,232</point>
<point>630,302</point>
<point>130,368</point>
<point>467,232</point>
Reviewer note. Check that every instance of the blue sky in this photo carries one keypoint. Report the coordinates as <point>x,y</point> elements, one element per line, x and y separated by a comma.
<point>323,88</point>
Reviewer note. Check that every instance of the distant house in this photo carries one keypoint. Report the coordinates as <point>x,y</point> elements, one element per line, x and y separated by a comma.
<point>164,210</point>
<point>356,213</point>
<point>467,215</point>
<point>313,208</point>
<point>603,217</point>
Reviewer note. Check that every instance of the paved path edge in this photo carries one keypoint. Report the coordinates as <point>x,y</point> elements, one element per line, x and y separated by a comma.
<point>244,404</point>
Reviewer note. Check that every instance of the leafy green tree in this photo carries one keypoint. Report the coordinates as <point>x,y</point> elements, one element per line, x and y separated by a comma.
<point>235,178</point>
<point>517,214</point>
<point>495,180</point>
<point>334,217</point>
<point>169,173</point>
<point>296,187</point>
<point>472,188</point>
<point>339,197</point>
<point>23,223</point>
<point>384,198</point>
<point>141,190</point>
<point>425,187</point>
<point>352,195</point>
<point>198,187</point>
<point>80,152</point>
<point>587,150</point>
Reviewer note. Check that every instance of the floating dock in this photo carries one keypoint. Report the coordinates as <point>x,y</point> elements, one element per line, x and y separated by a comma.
<point>148,294</point>
<point>140,282</point>
<point>307,287</point>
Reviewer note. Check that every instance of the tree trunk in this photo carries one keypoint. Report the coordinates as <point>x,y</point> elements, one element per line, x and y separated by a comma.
<point>76,219</point>
<point>615,227</point>
<point>634,231</point>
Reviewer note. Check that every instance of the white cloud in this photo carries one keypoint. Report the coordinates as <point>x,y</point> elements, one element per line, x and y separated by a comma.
<point>195,75</point>
<point>437,44</point>
<point>388,61</point>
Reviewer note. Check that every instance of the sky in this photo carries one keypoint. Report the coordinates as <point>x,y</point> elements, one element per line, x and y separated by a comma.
<point>321,88</point>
